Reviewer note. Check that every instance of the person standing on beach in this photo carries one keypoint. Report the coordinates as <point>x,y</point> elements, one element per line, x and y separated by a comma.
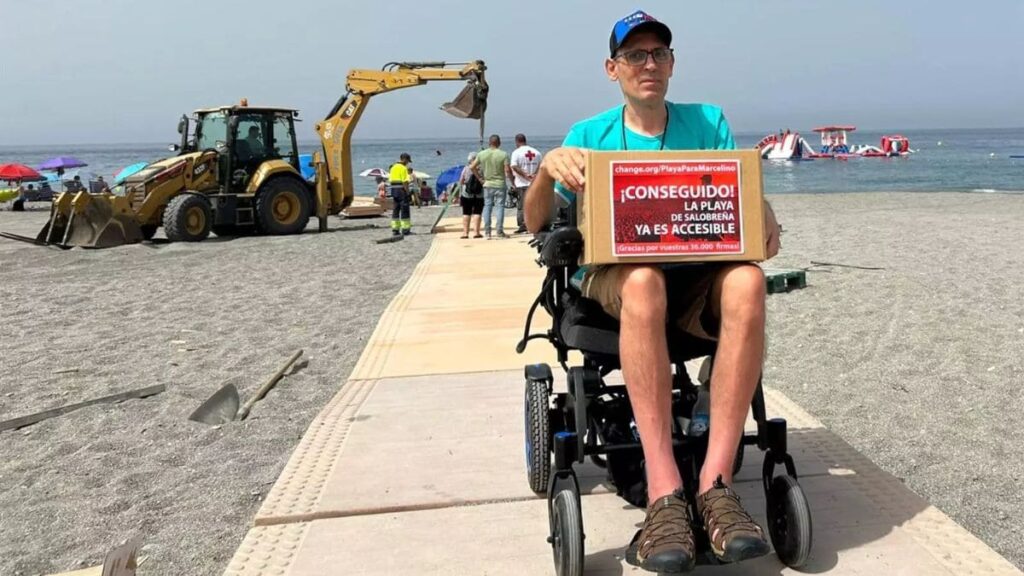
<point>492,168</point>
<point>398,177</point>
<point>414,187</point>
<point>471,199</point>
<point>19,200</point>
<point>723,302</point>
<point>524,163</point>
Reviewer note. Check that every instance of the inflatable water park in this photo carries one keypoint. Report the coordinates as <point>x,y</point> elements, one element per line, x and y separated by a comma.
<point>834,145</point>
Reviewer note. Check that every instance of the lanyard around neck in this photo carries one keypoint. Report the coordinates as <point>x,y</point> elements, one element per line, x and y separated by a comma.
<point>664,131</point>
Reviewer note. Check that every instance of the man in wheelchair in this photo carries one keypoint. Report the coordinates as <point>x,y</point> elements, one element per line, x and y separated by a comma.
<point>723,303</point>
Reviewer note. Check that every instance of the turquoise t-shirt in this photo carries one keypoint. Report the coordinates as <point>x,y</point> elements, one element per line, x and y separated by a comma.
<point>690,127</point>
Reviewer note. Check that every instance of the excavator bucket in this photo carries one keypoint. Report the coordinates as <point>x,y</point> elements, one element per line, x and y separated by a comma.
<point>90,221</point>
<point>470,103</point>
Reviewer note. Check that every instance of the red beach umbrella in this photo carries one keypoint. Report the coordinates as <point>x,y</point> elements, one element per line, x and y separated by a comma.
<point>18,172</point>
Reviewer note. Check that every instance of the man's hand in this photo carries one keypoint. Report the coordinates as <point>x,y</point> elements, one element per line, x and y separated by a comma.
<point>771,231</point>
<point>566,165</point>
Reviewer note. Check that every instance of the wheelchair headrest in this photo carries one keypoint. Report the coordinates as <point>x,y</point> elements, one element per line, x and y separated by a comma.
<point>561,247</point>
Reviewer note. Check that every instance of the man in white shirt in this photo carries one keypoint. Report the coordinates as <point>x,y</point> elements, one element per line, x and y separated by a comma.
<point>524,163</point>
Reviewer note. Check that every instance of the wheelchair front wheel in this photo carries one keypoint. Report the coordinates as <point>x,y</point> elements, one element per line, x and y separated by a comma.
<point>538,435</point>
<point>567,532</point>
<point>789,521</point>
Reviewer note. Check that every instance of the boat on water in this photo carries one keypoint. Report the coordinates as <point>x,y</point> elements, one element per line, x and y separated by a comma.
<point>834,145</point>
<point>785,146</point>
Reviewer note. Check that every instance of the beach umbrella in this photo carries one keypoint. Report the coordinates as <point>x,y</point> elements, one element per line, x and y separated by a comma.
<point>447,177</point>
<point>374,173</point>
<point>61,163</point>
<point>18,172</point>
<point>128,171</point>
<point>421,175</point>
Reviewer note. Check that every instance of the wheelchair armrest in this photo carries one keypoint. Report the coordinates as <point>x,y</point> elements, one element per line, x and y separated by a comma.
<point>538,240</point>
<point>561,247</point>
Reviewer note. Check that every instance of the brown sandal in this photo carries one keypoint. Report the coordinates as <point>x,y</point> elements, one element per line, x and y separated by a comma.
<point>733,534</point>
<point>665,543</point>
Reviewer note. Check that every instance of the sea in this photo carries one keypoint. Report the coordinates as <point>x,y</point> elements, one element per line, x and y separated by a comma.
<point>960,160</point>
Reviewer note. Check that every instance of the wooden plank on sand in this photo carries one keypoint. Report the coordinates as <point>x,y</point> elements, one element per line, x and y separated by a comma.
<point>52,412</point>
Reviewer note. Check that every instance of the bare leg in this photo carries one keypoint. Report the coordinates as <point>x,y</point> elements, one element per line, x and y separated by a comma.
<point>476,224</point>
<point>643,353</point>
<point>737,299</point>
<point>465,225</point>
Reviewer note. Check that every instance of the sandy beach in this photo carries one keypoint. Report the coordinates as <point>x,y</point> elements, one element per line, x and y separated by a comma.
<point>81,324</point>
<point>908,343</point>
<point>920,364</point>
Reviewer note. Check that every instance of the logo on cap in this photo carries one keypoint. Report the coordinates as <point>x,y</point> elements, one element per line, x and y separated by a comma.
<point>639,15</point>
<point>626,25</point>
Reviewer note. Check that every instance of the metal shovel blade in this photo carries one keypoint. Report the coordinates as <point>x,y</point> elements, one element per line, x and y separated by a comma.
<point>219,408</point>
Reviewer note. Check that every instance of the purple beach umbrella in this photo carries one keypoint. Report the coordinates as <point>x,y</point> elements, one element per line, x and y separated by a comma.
<point>61,163</point>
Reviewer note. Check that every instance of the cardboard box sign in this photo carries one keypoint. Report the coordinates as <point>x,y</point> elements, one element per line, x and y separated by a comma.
<point>672,206</point>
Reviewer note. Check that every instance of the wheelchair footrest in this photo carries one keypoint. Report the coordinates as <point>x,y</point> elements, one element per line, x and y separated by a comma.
<point>784,280</point>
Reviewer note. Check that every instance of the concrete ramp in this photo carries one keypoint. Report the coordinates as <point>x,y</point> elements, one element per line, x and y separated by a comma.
<point>417,465</point>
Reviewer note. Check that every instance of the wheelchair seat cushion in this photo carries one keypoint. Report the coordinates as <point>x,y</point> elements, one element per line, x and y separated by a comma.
<point>687,284</point>
<point>585,326</point>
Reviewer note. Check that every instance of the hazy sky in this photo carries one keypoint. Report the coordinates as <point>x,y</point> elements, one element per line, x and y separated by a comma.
<point>97,71</point>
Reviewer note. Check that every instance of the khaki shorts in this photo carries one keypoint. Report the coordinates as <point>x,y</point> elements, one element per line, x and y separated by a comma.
<point>688,288</point>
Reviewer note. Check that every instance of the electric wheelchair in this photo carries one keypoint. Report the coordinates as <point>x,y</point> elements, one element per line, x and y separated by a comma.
<point>593,420</point>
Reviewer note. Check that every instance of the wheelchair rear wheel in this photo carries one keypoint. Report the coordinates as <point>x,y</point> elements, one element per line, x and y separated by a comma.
<point>567,532</point>
<point>789,521</point>
<point>538,435</point>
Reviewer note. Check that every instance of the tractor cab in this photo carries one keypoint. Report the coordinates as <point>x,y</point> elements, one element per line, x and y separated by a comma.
<point>245,138</point>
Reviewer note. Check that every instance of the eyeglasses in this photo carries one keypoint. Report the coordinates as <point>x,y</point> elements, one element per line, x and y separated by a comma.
<point>639,57</point>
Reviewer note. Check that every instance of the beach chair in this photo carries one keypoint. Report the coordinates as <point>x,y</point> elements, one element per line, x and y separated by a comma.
<point>426,196</point>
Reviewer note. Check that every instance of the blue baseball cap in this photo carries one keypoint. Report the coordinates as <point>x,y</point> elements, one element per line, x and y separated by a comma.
<point>638,20</point>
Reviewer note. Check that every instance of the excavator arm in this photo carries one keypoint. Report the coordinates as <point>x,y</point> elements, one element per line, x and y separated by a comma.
<point>334,186</point>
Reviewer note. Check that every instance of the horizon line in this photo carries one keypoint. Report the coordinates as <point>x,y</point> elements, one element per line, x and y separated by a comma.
<point>467,138</point>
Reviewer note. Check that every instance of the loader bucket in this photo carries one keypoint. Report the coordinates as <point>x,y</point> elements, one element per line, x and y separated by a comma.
<point>470,103</point>
<point>89,221</point>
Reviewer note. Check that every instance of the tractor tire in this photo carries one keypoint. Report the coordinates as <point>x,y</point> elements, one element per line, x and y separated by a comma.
<point>282,207</point>
<point>188,218</point>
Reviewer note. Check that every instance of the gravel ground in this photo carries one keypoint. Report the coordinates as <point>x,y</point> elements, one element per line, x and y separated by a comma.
<point>919,365</point>
<point>81,324</point>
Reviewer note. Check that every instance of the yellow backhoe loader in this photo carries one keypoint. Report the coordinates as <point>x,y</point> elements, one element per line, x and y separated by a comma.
<point>238,171</point>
